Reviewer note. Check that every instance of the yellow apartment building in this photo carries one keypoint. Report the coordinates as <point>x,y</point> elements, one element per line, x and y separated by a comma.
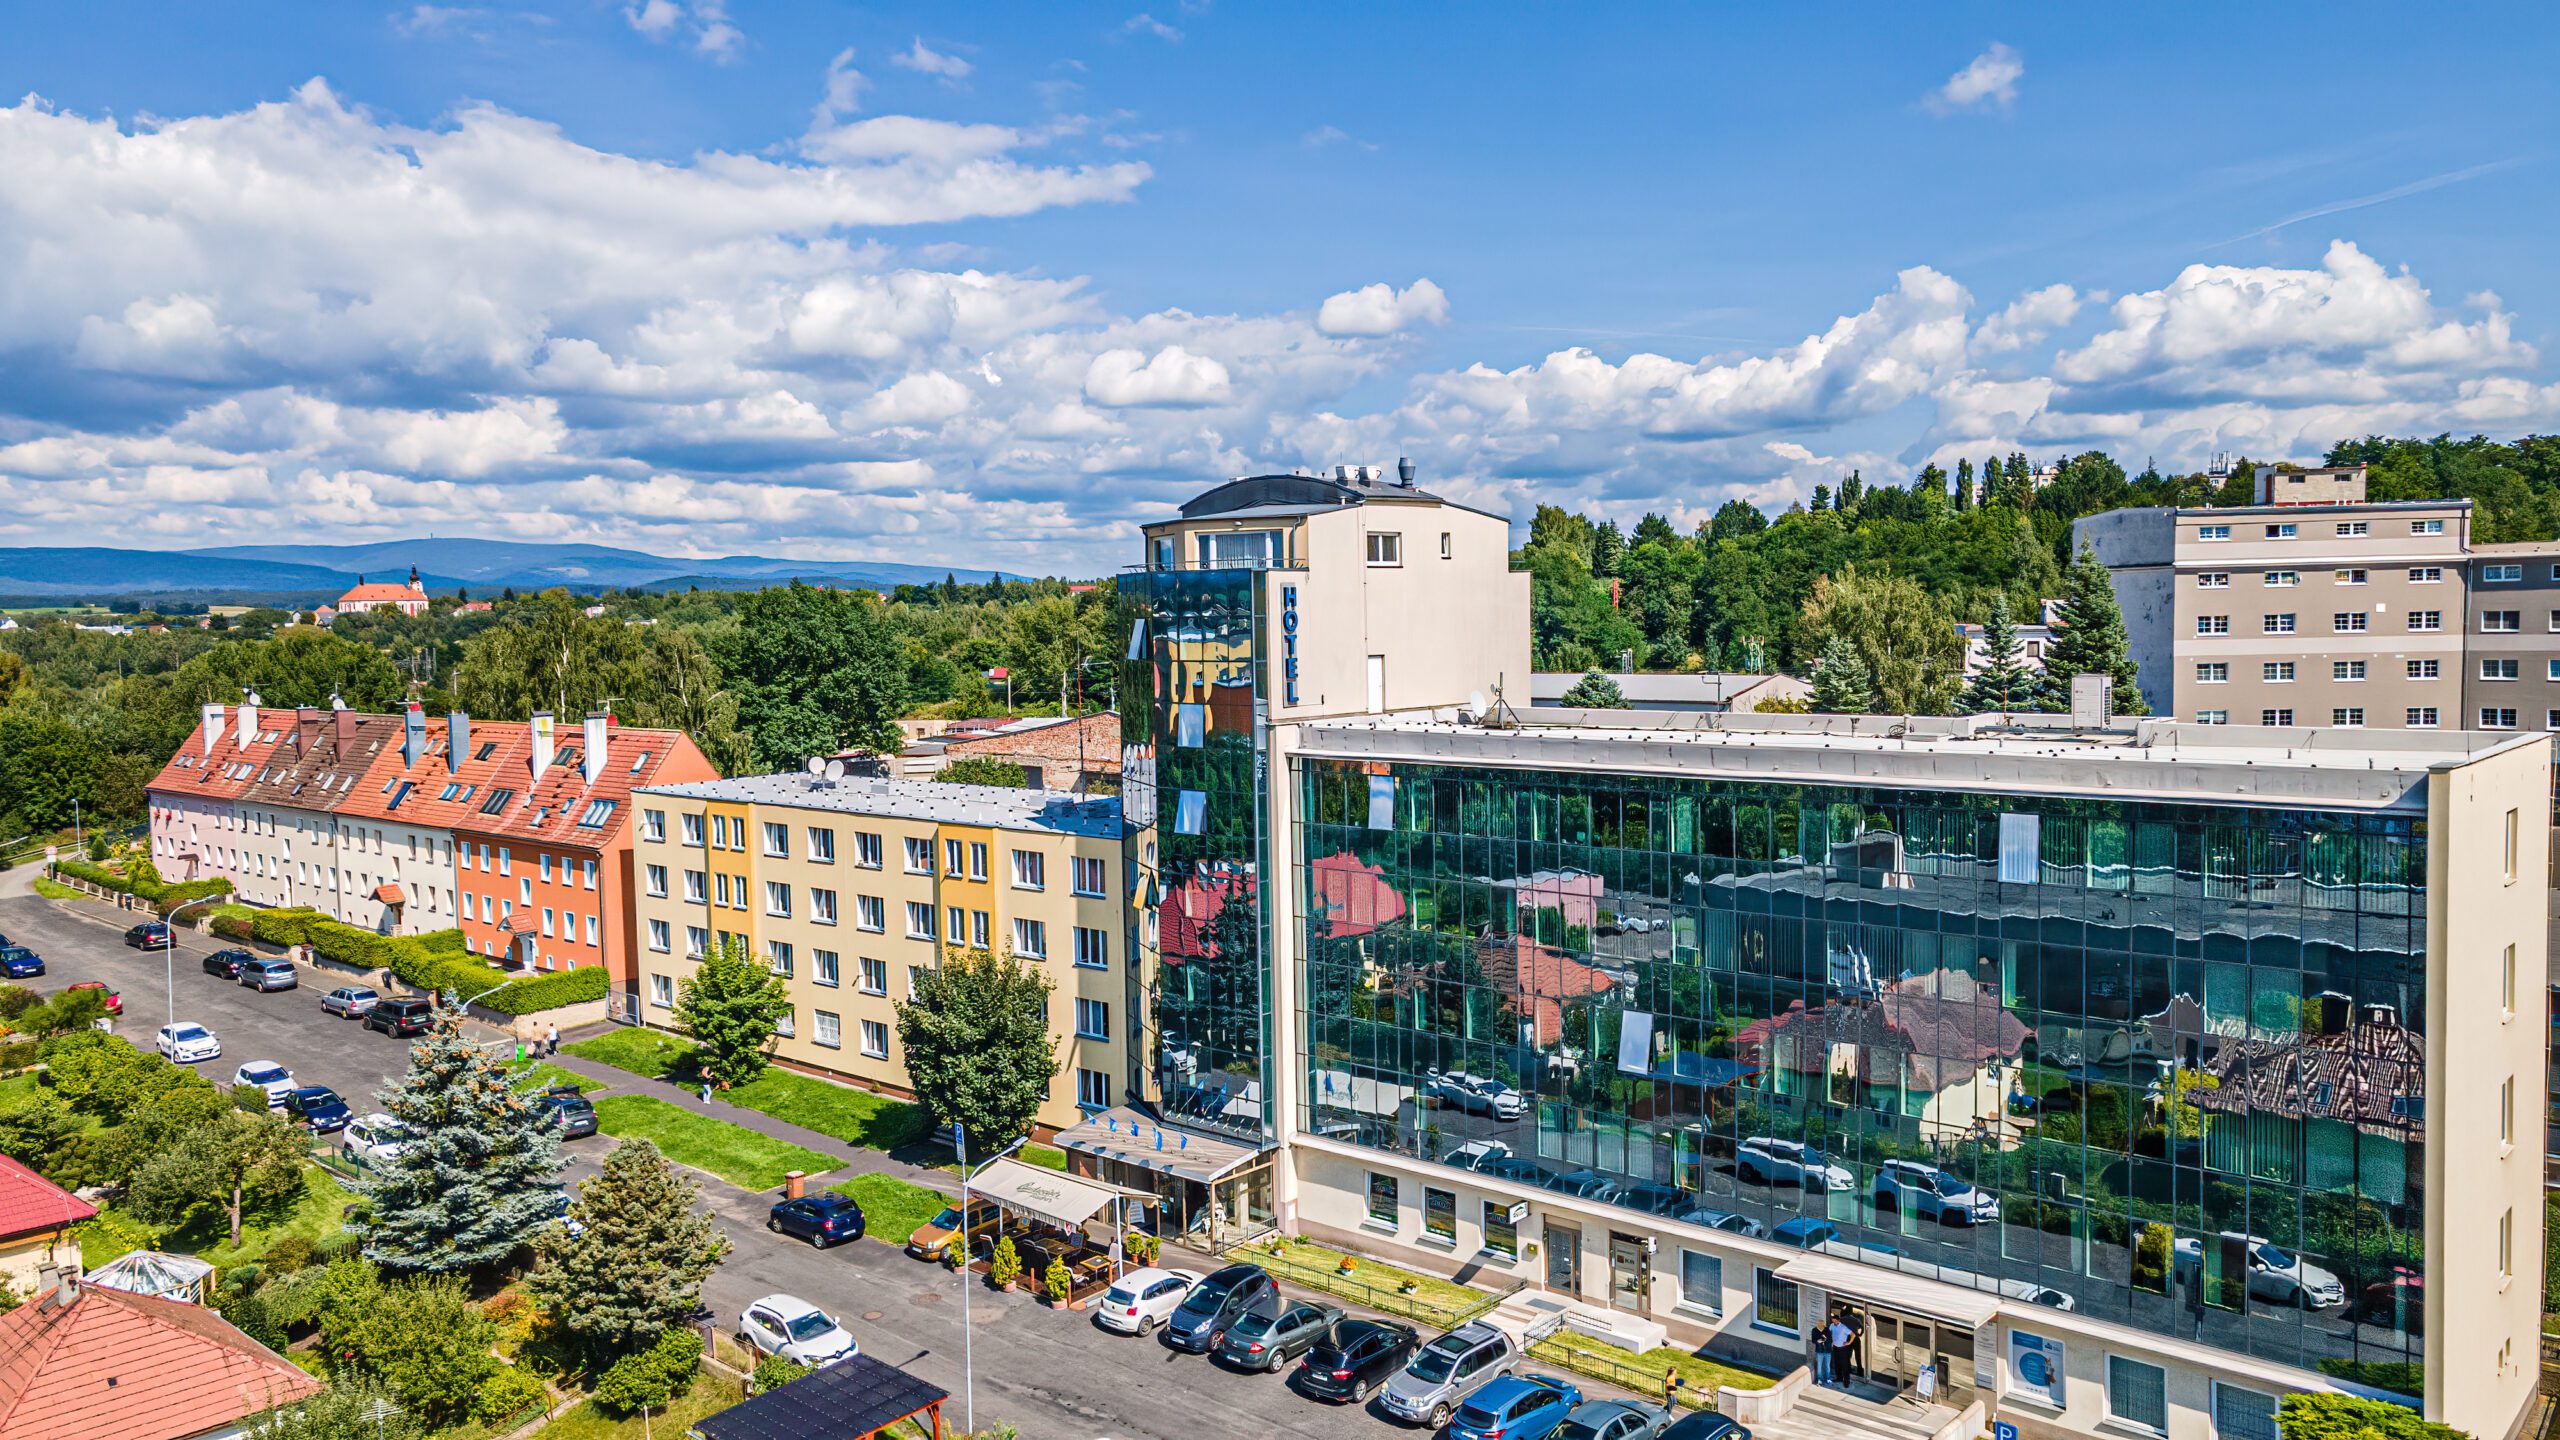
<point>851,887</point>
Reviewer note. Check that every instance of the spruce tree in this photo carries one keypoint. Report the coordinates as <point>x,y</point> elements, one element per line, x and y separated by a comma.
<point>2089,638</point>
<point>1608,549</point>
<point>2006,681</point>
<point>473,1182</point>
<point>632,1266</point>
<point>1595,691</point>
<point>1841,682</point>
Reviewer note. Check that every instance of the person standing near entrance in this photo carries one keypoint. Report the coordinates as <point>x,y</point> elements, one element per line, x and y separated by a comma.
<point>1822,1350</point>
<point>1851,1362</point>
<point>1839,1335</point>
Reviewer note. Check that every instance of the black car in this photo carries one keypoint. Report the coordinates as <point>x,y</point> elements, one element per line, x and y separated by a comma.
<point>400,1018</point>
<point>319,1107</point>
<point>17,962</point>
<point>228,963</point>
<point>150,935</point>
<point>1355,1358</point>
<point>822,1219</point>
<point>1267,1343</point>
<point>1201,1322</point>
<point>1707,1425</point>
<point>574,1113</point>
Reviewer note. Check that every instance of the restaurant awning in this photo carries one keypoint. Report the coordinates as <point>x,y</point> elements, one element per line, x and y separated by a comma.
<point>1894,1290</point>
<point>1066,1200</point>
<point>1125,1135</point>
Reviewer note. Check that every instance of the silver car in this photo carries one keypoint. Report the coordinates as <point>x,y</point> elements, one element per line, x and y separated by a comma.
<point>1445,1372</point>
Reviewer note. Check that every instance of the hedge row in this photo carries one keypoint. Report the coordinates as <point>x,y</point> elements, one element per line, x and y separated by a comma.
<point>433,962</point>
<point>146,886</point>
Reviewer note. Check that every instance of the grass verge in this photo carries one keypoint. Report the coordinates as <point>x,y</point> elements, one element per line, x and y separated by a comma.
<point>56,890</point>
<point>733,1152</point>
<point>857,1117</point>
<point>892,1208</point>
<point>1700,1377</point>
<point>642,1052</point>
<point>1374,1283</point>
<point>530,1074</point>
<point>1047,1157</point>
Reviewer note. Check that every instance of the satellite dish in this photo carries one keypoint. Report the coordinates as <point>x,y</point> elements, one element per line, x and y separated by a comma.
<point>1475,702</point>
<point>817,765</point>
<point>835,769</point>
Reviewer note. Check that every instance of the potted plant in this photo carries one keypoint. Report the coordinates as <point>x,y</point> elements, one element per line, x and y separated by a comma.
<point>1059,1285</point>
<point>1350,1263</point>
<point>1005,1266</point>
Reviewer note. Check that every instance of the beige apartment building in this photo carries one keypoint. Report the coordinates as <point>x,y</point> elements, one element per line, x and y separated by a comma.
<point>851,888</point>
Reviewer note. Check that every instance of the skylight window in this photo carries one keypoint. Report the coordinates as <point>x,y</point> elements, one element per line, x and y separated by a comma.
<point>497,801</point>
<point>597,813</point>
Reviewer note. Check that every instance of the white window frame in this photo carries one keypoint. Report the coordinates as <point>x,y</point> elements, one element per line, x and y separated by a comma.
<point>875,1039</point>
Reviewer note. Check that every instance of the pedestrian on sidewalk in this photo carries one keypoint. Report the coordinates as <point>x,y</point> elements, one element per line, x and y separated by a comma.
<point>553,1039</point>
<point>706,1092</point>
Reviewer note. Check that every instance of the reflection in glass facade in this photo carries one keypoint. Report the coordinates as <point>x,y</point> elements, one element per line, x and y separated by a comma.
<point>1192,762</point>
<point>2155,1062</point>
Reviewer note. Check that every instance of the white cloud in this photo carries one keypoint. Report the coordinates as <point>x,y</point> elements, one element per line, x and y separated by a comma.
<point>926,398</point>
<point>1381,309</point>
<point>2029,319</point>
<point>703,25</point>
<point>1145,24</point>
<point>1172,376</point>
<point>1988,82</point>
<point>656,19</point>
<point>841,93</point>
<point>1324,135</point>
<point>926,61</point>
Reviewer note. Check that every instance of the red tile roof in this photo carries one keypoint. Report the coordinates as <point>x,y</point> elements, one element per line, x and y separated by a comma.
<point>30,1204</point>
<point>548,811</point>
<point>379,592</point>
<point>218,775</point>
<point>113,1366</point>
<point>1191,911</point>
<point>1353,895</point>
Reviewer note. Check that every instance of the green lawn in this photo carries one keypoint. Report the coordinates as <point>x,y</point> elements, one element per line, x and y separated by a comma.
<point>1643,1373</point>
<point>857,1117</point>
<point>642,1052</point>
<point>892,1208</point>
<point>17,1090</point>
<point>530,1074</point>
<point>710,1395</point>
<point>56,890</point>
<point>316,1216</point>
<point>734,1153</point>
<point>1047,1157</point>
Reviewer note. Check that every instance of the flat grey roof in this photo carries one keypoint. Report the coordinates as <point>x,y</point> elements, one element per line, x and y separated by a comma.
<point>994,806</point>
<point>2148,759</point>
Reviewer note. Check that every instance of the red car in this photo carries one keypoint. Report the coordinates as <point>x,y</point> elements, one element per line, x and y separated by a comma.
<point>115,1002</point>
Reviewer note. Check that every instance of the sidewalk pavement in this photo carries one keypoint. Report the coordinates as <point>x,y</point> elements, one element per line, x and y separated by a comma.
<point>857,1160</point>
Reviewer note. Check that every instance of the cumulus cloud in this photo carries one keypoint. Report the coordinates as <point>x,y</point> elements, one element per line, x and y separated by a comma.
<point>2028,319</point>
<point>841,92</point>
<point>1145,24</point>
<point>926,61</point>
<point>1172,376</point>
<point>703,26</point>
<point>1987,82</point>
<point>1382,309</point>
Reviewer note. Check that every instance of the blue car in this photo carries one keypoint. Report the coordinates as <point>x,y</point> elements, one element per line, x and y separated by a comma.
<point>1515,1407</point>
<point>1806,1233</point>
<point>18,962</point>
<point>319,1107</point>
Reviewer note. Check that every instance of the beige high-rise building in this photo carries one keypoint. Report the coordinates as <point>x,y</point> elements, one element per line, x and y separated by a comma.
<point>851,888</point>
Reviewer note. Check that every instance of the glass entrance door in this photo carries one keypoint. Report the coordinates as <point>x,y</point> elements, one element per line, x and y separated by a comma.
<point>1564,1258</point>
<point>1628,1278</point>
<point>1899,1347</point>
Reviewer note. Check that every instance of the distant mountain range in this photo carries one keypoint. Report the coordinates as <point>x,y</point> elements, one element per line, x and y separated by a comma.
<point>307,574</point>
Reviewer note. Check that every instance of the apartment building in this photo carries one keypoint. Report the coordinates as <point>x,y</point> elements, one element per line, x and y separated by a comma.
<point>2511,671</point>
<point>404,809</point>
<point>851,888</point>
<point>196,831</point>
<point>256,797</point>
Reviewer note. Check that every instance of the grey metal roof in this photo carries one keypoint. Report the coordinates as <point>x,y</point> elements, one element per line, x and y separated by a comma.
<point>994,806</point>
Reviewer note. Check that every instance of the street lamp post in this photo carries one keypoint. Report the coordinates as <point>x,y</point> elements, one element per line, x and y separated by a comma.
<point>968,1359</point>
<point>169,952</point>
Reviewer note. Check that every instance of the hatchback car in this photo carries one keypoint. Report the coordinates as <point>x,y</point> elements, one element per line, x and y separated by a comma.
<point>17,962</point>
<point>1356,1358</point>
<point>1614,1420</point>
<point>150,935</point>
<point>1515,1407</point>
<point>2275,1273</point>
<point>319,1107</point>
<point>1445,1372</point>
<point>790,1326</point>
<point>269,1076</point>
<point>114,1002</point>
<point>270,975</point>
<point>400,1018</point>
<point>1772,1161</point>
<point>932,1239</point>
<point>823,1219</point>
<point>227,963</point>
<point>1726,1220</point>
<point>1266,1343</point>
<point>376,1137</point>
<point>1930,1193</point>
<point>1707,1425</point>
<point>350,1001</point>
<point>187,1043</point>
<point>1805,1232</point>
<point>1200,1323</point>
<point>573,1112</point>
<point>1141,1300</point>
<point>1479,1095</point>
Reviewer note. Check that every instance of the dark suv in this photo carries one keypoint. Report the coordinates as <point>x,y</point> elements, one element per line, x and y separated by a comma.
<point>1200,1323</point>
<point>1357,1357</point>
<point>228,963</point>
<point>149,935</point>
<point>574,1113</point>
<point>401,1018</point>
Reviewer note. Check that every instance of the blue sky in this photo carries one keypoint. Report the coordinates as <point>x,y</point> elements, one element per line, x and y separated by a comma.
<point>985,284</point>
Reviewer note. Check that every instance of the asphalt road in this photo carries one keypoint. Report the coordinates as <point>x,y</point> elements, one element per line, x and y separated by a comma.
<point>1052,1374</point>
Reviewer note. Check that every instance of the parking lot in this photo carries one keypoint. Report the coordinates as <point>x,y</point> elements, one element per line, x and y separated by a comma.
<point>1049,1373</point>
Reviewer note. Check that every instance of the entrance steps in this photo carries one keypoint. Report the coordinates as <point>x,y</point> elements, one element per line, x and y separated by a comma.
<point>1821,1414</point>
<point>1530,1317</point>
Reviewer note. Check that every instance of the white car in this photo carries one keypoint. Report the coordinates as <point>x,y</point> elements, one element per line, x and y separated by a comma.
<point>1477,1155</point>
<point>269,1076</point>
<point>1930,1193</point>
<point>376,1137</point>
<point>1772,1161</point>
<point>1480,1095</point>
<point>1140,1300</point>
<point>2275,1273</point>
<point>788,1325</point>
<point>187,1042</point>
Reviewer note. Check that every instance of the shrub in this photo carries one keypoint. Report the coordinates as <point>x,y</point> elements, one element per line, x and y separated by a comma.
<point>2307,1416</point>
<point>653,1376</point>
<point>513,1313</point>
<point>18,1055</point>
<point>143,883</point>
<point>232,927</point>
<point>775,1372</point>
<point>507,1394</point>
<point>1005,1265</point>
<point>15,1000</point>
<point>249,1311</point>
<point>290,1253</point>
<point>1060,1282</point>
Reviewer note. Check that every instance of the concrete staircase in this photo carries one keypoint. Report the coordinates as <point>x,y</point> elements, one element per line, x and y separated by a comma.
<point>1821,1414</point>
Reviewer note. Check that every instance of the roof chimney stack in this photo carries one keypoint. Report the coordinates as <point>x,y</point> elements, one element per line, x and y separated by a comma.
<point>1404,472</point>
<point>413,735</point>
<point>596,737</point>
<point>542,748</point>
<point>457,738</point>
<point>212,727</point>
<point>248,719</point>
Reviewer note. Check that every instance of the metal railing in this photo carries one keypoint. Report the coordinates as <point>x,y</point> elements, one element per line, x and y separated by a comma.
<point>1389,1298</point>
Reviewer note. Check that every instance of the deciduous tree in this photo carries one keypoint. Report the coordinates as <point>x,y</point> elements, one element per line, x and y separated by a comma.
<point>814,671</point>
<point>978,1047</point>
<point>732,1005</point>
<point>1904,636</point>
<point>239,1163</point>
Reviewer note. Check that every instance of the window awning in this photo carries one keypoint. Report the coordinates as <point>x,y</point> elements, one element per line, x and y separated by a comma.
<point>1125,1135</point>
<point>1066,1200</point>
<point>1894,1290</point>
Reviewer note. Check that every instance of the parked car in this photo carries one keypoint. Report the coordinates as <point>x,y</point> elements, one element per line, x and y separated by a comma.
<point>1772,1161</point>
<point>1653,1197</point>
<point>149,935</point>
<point>1614,1420</point>
<point>376,1137</point>
<point>2275,1273</point>
<point>1479,1095</point>
<point>1445,1372</point>
<point>1706,1425</point>
<point>1930,1193</point>
<point>114,1001</point>
<point>1727,1220</point>
<point>269,1076</point>
<point>350,1001</point>
<point>319,1107</point>
<point>1588,1184</point>
<point>186,1043</point>
<point>1515,1407</point>
<point>1140,1300</point>
<point>1478,1155</point>
<point>1267,1343</point>
<point>270,974</point>
<point>227,963</point>
<point>1805,1232</point>
<point>559,1209</point>
<point>571,1110</point>
<point>1355,1358</point>
<point>932,1239</point>
<point>1200,1323</point>
<point>823,1219</point>
<point>17,962</point>
<point>789,1325</point>
<point>400,1018</point>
